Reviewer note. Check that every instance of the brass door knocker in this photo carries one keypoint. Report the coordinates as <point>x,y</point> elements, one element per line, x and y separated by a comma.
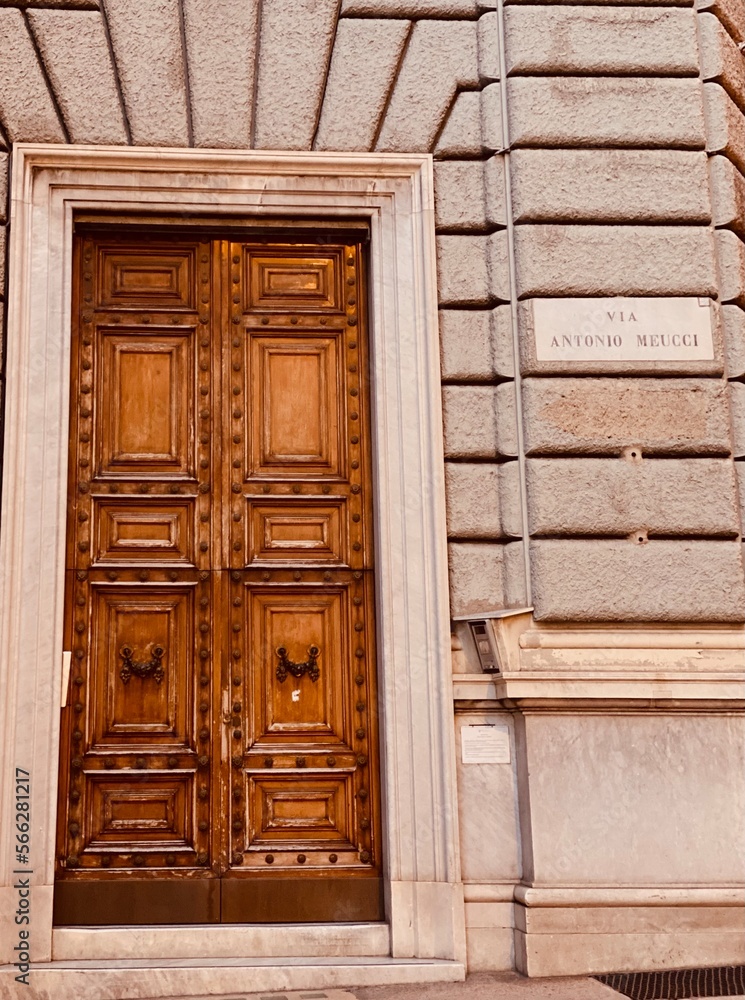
<point>286,666</point>
<point>142,668</point>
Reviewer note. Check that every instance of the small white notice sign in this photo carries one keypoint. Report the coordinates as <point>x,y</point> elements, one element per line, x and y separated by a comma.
<point>485,744</point>
<point>623,329</point>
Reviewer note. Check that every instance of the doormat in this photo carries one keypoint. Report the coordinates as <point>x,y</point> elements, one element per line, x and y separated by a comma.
<point>678,984</point>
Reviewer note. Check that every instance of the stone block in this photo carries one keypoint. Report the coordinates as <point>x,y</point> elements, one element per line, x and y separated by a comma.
<point>294,45</point>
<point>469,194</point>
<point>721,60</point>
<point>731,257</point>
<point>485,576</point>
<point>733,322</point>
<point>441,57</point>
<point>606,111</point>
<point>608,40</point>
<point>609,185</point>
<point>488,44</point>
<point>476,577</point>
<point>472,269</point>
<point>730,12</point>
<point>474,125</point>
<point>603,416</point>
<point>590,496</point>
<point>492,138</point>
<point>624,580</point>
<point>3,236</point>
<point>725,125</point>
<point>76,55</point>
<point>479,421</point>
<point>727,194</point>
<point>461,133</point>
<point>737,403</point>
<point>483,500</point>
<point>740,470</point>
<point>363,65</point>
<point>414,8</point>
<point>221,40</point>
<point>26,107</point>
<point>621,260</point>
<point>476,345</point>
<point>146,37</point>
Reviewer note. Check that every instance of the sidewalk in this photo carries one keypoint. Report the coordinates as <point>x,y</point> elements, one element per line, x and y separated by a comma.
<point>479,986</point>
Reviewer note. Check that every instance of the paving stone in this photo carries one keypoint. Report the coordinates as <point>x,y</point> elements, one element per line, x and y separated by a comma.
<point>76,55</point>
<point>416,8</point>
<point>469,194</point>
<point>733,321</point>
<point>479,421</point>
<point>221,48</point>
<point>615,260</point>
<point>295,42</point>
<point>612,111</point>
<point>483,500</point>
<point>731,257</point>
<point>725,125</point>
<point>604,416</point>
<point>721,60</point>
<point>476,345</point>
<point>472,269</point>
<point>730,12</point>
<point>441,57</point>
<point>146,37</point>
<point>665,581</point>
<point>727,194</point>
<point>737,402</point>
<point>608,40</point>
<point>363,65</point>
<point>26,108</point>
<point>591,496</point>
<point>609,185</point>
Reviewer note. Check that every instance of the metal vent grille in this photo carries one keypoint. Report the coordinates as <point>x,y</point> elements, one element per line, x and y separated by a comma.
<point>678,984</point>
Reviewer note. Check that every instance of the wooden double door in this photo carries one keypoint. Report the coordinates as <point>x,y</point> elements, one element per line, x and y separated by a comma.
<point>219,753</point>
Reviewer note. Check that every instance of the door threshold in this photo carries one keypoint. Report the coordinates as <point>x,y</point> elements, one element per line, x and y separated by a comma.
<point>220,941</point>
<point>139,979</point>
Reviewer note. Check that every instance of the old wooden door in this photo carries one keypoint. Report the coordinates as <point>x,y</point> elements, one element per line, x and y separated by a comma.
<point>219,745</point>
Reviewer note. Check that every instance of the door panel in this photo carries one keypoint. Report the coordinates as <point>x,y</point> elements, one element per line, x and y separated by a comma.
<point>220,742</point>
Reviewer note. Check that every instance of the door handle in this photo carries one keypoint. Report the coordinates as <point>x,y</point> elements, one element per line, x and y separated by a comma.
<point>142,668</point>
<point>287,666</point>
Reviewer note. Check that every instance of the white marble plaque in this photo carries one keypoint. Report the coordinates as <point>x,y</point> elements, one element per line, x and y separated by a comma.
<point>623,329</point>
<point>485,744</point>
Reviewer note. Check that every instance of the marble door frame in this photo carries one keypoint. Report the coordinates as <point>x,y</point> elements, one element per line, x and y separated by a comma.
<point>394,194</point>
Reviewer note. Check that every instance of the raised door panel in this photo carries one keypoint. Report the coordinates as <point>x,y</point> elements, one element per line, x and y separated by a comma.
<point>138,529</point>
<point>297,406</point>
<point>298,665</point>
<point>317,810</point>
<point>145,404</point>
<point>291,282</point>
<point>145,278</point>
<point>141,810</point>
<point>292,531</point>
<point>143,650</point>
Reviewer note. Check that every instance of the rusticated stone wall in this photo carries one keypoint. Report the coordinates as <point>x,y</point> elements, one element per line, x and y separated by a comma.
<point>626,138</point>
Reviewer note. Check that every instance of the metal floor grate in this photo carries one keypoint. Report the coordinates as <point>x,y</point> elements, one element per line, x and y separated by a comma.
<point>678,984</point>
